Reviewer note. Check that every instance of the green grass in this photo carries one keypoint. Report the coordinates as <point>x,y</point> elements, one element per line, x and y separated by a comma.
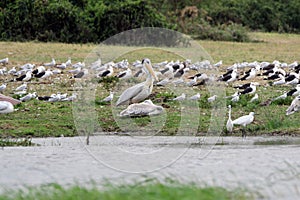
<point>42,119</point>
<point>15,142</point>
<point>147,191</point>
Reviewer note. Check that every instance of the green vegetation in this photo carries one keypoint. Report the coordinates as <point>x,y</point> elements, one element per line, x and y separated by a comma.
<point>42,119</point>
<point>15,142</point>
<point>94,21</point>
<point>132,191</point>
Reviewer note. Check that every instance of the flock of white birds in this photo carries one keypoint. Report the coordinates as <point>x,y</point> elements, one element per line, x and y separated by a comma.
<point>184,73</point>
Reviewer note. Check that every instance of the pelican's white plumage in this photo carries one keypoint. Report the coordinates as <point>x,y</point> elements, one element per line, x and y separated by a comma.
<point>6,107</point>
<point>142,109</point>
<point>229,124</point>
<point>294,107</point>
<point>141,91</point>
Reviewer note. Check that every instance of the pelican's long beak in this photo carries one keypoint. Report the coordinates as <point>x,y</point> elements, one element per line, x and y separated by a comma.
<point>151,71</point>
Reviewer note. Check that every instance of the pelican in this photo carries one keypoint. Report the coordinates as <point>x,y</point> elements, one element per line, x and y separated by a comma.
<point>146,108</point>
<point>244,121</point>
<point>141,91</point>
<point>294,107</point>
<point>229,124</point>
<point>6,107</point>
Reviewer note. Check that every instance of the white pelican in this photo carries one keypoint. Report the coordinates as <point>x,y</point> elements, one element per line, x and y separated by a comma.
<point>294,107</point>
<point>244,121</point>
<point>6,107</point>
<point>141,91</point>
<point>229,124</point>
<point>146,108</point>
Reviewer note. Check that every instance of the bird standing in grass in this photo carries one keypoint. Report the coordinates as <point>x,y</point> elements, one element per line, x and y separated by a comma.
<point>229,124</point>
<point>141,91</point>
<point>244,121</point>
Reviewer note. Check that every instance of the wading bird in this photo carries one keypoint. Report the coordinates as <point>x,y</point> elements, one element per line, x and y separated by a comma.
<point>229,124</point>
<point>244,121</point>
<point>141,91</point>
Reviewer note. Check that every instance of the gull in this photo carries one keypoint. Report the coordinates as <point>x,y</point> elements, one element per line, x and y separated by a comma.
<point>244,121</point>
<point>6,107</point>
<point>163,82</point>
<point>44,74</point>
<point>51,64</point>
<point>125,74</point>
<point>141,91</point>
<point>218,64</point>
<point>236,98</point>
<point>109,98</point>
<point>251,89</point>
<point>38,70</point>
<point>4,61</point>
<point>230,77</point>
<point>146,108</point>
<point>229,124</point>
<point>61,66</point>
<point>294,107</point>
<point>195,97</point>
<point>106,73</point>
<point>2,87</point>
<point>69,62</point>
<point>28,97</point>
<point>251,74</point>
<point>79,65</point>
<point>212,98</point>
<point>180,98</point>
<point>70,98</point>
<point>255,98</point>
<point>178,81</point>
<point>25,77</point>
<point>12,71</point>
<point>281,81</point>
<point>22,87</point>
<point>75,71</point>
<point>82,73</point>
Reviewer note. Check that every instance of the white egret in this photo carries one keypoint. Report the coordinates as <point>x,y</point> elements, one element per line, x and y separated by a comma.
<point>229,124</point>
<point>141,91</point>
<point>244,121</point>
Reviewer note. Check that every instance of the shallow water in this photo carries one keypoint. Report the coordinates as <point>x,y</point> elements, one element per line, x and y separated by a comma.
<point>270,170</point>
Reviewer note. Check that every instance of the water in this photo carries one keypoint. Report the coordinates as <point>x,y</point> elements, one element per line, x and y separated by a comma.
<point>270,170</point>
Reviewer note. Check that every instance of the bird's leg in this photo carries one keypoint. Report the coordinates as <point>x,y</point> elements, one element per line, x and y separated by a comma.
<point>244,132</point>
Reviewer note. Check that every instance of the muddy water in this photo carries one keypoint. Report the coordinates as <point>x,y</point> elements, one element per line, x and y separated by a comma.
<point>268,166</point>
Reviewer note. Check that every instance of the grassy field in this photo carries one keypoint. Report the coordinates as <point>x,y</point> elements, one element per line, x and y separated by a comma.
<point>40,119</point>
<point>134,191</point>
